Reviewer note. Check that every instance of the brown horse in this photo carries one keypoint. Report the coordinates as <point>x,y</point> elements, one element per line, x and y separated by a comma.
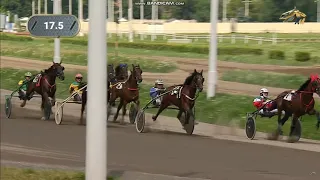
<point>302,102</point>
<point>128,91</point>
<point>45,85</point>
<point>110,80</point>
<point>183,96</point>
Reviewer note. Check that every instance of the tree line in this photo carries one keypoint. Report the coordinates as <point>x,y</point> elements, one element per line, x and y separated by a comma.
<point>259,10</point>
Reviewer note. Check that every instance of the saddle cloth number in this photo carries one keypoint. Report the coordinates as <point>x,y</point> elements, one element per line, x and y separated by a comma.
<point>288,97</point>
<point>175,91</point>
<point>36,78</point>
<point>119,86</point>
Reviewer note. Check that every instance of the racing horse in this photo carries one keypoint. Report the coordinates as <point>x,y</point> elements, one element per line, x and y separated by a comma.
<point>183,96</point>
<point>301,103</point>
<point>111,79</point>
<point>128,91</point>
<point>45,84</point>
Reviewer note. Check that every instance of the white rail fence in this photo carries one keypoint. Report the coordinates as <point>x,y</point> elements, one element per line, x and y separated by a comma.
<point>189,38</point>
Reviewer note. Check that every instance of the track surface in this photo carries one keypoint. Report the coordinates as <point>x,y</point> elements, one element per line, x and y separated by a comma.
<point>28,139</point>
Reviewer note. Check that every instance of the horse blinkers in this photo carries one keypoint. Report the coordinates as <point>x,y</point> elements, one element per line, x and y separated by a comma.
<point>58,68</point>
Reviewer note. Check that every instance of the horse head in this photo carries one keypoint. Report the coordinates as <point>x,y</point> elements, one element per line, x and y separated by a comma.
<point>57,70</point>
<point>315,84</point>
<point>136,73</point>
<point>111,72</point>
<point>196,79</point>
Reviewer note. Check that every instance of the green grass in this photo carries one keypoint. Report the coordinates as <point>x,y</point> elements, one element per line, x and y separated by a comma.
<point>32,174</point>
<point>264,78</point>
<point>70,54</point>
<point>42,49</point>
<point>223,109</point>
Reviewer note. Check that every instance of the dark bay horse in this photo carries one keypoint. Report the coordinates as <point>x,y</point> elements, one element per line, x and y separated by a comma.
<point>45,85</point>
<point>183,96</point>
<point>110,80</point>
<point>302,102</point>
<point>128,91</point>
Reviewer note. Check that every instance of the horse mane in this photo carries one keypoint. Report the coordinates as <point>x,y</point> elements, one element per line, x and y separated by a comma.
<point>188,80</point>
<point>304,85</point>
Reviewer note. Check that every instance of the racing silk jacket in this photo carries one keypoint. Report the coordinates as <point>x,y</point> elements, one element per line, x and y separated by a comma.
<point>24,84</point>
<point>259,101</point>
<point>153,92</point>
<point>74,86</point>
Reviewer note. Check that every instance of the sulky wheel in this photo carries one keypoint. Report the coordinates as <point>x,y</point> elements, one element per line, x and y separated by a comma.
<point>133,112</point>
<point>8,106</point>
<point>140,121</point>
<point>250,127</point>
<point>59,113</point>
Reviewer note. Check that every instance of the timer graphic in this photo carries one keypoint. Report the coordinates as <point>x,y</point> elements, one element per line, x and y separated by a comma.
<point>53,25</point>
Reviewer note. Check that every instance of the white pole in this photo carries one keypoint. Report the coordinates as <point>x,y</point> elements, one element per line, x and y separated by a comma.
<point>153,9</point>
<point>120,9</point>
<point>39,6</point>
<point>96,140</point>
<point>33,7</point>
<point>212,74</point>
<point>109,10</point>
<point>70,7</point>
<point>130,14</point>
<point>80,10</point>
<point>141,11</point>
<point>224,11</point>
<point>56,10</point>
<point>45,6</point>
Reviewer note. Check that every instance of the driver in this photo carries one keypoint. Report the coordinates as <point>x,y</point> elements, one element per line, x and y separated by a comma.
<point>156,90</point>
<point>268,107</point>
<point>24,85</point>
<point>75,87</point>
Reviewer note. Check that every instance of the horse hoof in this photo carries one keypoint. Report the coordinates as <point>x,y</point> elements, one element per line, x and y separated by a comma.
<point>273,136</point>
<point>43,118</point>
<point>292,139</point>
<point>154,118</point>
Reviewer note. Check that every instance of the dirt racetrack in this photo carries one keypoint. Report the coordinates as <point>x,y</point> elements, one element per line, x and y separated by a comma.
<point>186,66</point>
<point>27,139</point>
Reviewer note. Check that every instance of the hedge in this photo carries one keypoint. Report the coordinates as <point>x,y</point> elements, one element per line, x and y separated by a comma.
<point>5,36</point>
<point>200,49</point>
<point>276,54</point>
<point>302,56</point>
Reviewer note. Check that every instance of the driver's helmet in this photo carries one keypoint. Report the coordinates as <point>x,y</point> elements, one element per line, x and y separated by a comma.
<point>122,65</point>
<point>28,74</point>
<point>78,76</point>
<point>264,92</point>
<point>159,82</point>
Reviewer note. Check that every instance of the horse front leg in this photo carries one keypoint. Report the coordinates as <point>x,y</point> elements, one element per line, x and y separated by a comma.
<point>111,101</point>
<point>83,106</point>
<point>124,111</point>
<point>118,109</point>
